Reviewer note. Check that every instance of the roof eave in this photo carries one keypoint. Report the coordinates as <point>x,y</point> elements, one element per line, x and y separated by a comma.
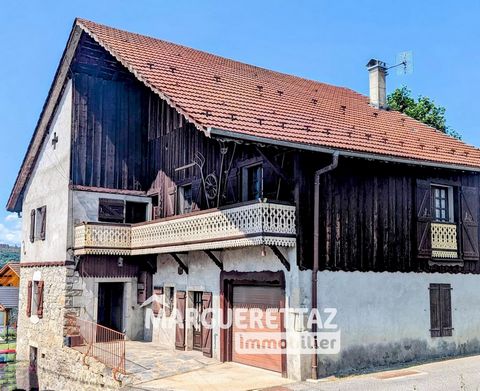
<point>343,152</point>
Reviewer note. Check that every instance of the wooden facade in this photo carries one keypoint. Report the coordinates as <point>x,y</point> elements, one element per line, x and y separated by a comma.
<point>371,215</point>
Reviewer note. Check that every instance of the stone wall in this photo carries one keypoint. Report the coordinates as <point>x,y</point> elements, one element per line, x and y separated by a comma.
<point>48,331</point>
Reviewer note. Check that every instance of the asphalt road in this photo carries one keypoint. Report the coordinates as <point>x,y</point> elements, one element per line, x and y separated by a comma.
<point>461,374</point>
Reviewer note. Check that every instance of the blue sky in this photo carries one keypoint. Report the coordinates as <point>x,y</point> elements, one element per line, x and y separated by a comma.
<point>322,40</point>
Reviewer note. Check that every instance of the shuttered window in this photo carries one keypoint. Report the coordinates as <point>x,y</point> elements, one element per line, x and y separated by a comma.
<point>111,211</point>
<point>469,211</point>
<point>424,219</point>
<point>32,225</point>
<point>440,310</point>
<point>38,224</point>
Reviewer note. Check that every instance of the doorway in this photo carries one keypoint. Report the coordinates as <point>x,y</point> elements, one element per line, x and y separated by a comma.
<point>110,305</point>
<point>197,324</point>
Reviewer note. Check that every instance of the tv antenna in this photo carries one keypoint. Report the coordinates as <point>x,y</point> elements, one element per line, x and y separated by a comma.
<point>404,63</point>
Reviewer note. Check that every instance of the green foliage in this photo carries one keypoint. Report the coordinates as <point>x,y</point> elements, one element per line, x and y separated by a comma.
<point>423,109</point>
<point>9,254</point>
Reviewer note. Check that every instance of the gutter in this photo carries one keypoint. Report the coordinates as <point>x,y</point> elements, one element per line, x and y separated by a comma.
<point>346,153</point>
<point>316,216</point>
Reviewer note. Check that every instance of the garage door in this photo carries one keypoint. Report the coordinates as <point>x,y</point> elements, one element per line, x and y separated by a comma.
<point>256,313</point>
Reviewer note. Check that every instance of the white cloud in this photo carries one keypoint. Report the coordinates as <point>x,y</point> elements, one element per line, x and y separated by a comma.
<point>11,231</point>
<point>12,217</point>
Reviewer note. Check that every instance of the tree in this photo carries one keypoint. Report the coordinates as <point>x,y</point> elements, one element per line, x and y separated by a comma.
<point>423,109</point>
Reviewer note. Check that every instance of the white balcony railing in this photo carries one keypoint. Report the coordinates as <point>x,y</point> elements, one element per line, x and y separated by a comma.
<point>444,240</point>
<point>242,225</point>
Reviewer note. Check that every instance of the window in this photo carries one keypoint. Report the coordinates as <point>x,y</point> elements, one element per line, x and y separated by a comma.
<point>185,199</point>
<point>38,224</point>
<point>442,203</point>
<point>135,212</point>
<point>169,300</point>
<point>252,183</point>
<point>111,211</point>
<point>440,310</point>
<point>35,298</point>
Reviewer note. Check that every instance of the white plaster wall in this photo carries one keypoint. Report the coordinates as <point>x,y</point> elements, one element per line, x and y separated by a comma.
<point>204,275</point>
<point>378,310</point>
<point>48,185</point>
<point>85,204</point>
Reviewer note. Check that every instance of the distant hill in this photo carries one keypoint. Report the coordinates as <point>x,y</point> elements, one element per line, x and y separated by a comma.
<point>8,254</point>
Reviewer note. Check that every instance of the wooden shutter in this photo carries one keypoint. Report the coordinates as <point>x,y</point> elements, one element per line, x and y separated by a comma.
<point>446,310</point>
<point>180,321</point>
<point>207,332</point>
<point>157,305</point>
<point>32,225</point>
<point>110,210</point>
<point>170,201</point>
<point>29,298</point>
<point>197,190</point>
<point>40,299</point>
<point>43,228</point>
<point>231,191</point>
<point>469,210</point>
<point>440,310</point>
<point>424,219</point>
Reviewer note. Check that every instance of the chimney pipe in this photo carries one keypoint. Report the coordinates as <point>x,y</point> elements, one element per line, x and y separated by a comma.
<point>377,71</point>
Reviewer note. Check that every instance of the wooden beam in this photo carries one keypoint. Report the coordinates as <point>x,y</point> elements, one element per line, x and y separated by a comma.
<point>281,257</point>
<point>278,170</point>
<point>180,262</point>
<point>215,260</point>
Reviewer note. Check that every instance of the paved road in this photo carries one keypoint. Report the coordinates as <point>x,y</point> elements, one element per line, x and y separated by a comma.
<point>461,374</point>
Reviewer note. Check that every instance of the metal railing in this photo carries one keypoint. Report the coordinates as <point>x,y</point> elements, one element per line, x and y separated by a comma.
<point>444,240</point>
<point>100,342</point>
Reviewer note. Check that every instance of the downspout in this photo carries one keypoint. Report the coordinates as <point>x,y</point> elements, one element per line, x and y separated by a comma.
<point>316,216</point>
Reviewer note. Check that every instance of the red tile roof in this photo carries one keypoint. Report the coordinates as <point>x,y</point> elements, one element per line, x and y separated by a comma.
<point>218,94</point>
<point>215,92</point>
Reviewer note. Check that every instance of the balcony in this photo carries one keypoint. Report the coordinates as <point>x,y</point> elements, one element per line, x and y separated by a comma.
<point>444,241</point>
<point>248,224</point>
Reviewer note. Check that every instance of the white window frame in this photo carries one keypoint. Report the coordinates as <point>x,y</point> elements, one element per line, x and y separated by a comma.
<point>451,217</point>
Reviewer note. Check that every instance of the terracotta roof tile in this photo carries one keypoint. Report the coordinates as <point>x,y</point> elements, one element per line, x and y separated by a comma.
<point>216,92</point>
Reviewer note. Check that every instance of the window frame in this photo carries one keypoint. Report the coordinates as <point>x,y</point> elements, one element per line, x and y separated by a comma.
<point>181,205</point>
<point>246,174</point>
<point>449,201</point>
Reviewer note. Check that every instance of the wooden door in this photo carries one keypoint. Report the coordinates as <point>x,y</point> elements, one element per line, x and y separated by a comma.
<point>197,324</point>
<point>180,324</point>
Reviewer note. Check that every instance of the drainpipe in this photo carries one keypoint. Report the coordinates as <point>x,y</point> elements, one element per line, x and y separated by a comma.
<point>316,216</point>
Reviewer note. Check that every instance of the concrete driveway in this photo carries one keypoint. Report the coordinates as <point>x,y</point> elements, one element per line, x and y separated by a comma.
<point>461,374</point>
<point>152,367</point>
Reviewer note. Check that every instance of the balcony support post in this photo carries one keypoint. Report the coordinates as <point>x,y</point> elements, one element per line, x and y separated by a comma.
<point>215,260</point>
<point>280,256</point>
<point>180,262</point>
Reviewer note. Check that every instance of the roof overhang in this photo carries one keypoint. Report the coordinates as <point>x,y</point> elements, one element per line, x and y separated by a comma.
<point>343,152</point>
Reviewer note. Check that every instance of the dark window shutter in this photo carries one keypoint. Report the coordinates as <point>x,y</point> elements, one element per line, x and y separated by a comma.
<point>110,210</point>
<point>29,298</point>
<point>469,210</point>
<point>40,299</point>
<point>43,228</point>
<point>170,201</point>
<point>231,191</point>
<point>32,225</point>
<point>207,332</point>
<point>180,321</point>
<point>197,194</point>
<point>440,310</point>
<point>446,310</point>
<point>435,328</point>
<point>424,219</point>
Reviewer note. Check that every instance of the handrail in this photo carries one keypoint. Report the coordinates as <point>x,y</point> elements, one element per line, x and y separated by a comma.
<point>100,342</point>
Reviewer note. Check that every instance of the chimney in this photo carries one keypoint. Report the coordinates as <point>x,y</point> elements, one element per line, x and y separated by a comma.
<point>377,71</point>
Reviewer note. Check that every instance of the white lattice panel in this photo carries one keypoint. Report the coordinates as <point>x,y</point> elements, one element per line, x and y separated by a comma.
<point>444,240</point>
<point>246,225</point>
